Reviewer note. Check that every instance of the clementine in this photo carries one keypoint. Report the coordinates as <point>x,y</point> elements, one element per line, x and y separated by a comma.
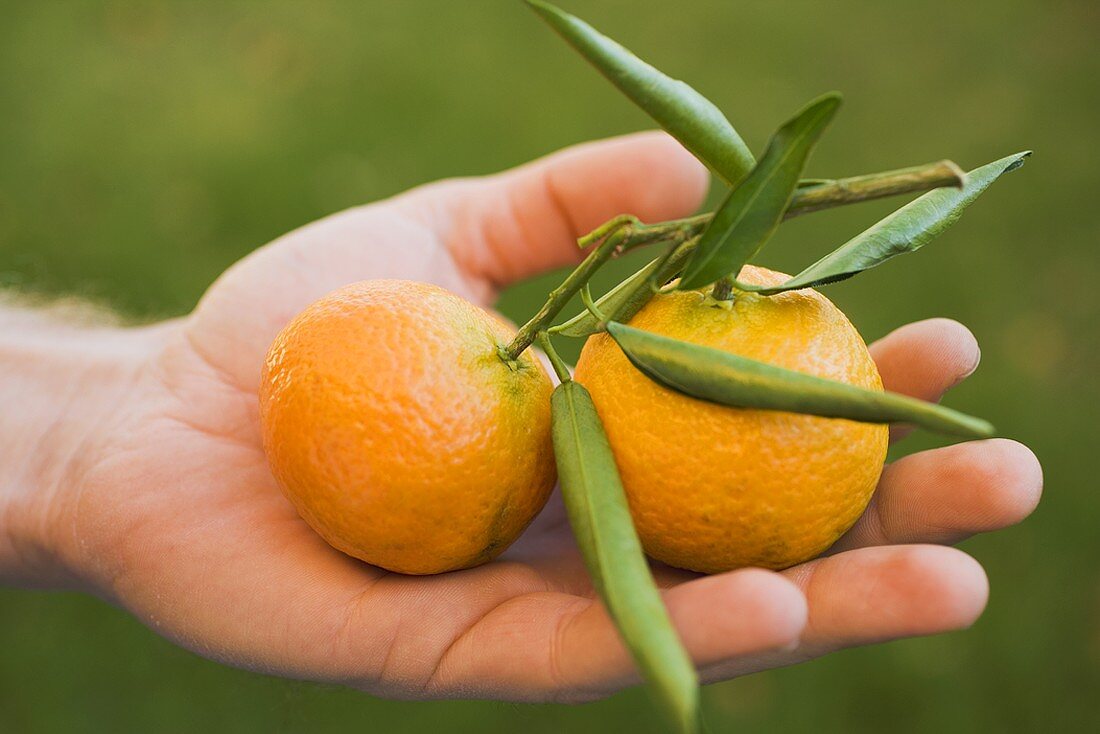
<point>397,431</point>
<point>712,488</point>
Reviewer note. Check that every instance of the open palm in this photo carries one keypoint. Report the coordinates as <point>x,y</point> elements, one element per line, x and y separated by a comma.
<point>176,517</point>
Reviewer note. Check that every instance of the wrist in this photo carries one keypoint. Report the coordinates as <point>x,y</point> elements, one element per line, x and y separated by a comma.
<point>64,385</point>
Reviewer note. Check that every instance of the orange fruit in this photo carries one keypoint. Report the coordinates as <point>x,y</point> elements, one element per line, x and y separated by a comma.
<point>399,434</point>
<point>712,488</point>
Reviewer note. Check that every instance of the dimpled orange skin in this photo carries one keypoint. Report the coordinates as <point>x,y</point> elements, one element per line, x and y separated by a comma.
<point>714,488</point>
<point>399,434</point>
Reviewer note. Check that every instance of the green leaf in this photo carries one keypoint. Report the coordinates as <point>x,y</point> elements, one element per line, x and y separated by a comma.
<point>629,296</point>
<point>728,379</point>
<point>600,517</point>
<point>687,115</point>
<point>754,209</point>
<point>906,230</point>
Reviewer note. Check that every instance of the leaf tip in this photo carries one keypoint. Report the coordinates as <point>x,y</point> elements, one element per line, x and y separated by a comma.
<point>968,426</point>
<point>1018,160</point>
<point>550,13</point>
<point>984,429</point>
<point>821,109</point>
<point>829,100</point>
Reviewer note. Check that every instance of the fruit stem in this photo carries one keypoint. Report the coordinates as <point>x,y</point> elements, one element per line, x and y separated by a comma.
<point>558,297</point>
<point>560,368</point>
<point>625,232</point>
<point>606,229</point>
<point>723,289</point>
<point>810,196</point>
<point>586,299</point>
<point>842,191</point>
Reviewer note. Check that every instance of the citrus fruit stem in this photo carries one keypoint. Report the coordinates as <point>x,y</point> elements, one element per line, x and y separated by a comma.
<point>586,299</point>
<point>568,288</point>
<point>625,299</point>
<point>560,368</point>
<point>723,289</point>
<point>827,194</point>
<point>811,195</point>
<point>625,232</point>
<point>606,229</point>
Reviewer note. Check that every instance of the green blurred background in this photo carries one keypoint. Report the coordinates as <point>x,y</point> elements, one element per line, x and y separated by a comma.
<point>145,146</point>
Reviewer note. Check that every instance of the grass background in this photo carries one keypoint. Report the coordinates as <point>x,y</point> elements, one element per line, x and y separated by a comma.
<point>145,146</point>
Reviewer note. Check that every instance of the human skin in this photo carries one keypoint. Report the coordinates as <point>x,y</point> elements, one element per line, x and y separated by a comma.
<point>131,468</point>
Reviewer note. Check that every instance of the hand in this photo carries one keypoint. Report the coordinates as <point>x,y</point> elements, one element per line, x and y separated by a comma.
<point>168,508</point>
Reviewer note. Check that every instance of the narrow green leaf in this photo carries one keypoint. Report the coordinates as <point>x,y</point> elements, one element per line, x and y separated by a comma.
<point>687,115</point>
<point>728,379</point>
<point>906,230</point>
<point>600,517</point>
<point>754,209</point>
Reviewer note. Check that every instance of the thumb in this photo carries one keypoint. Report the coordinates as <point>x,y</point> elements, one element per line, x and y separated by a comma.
<point>525,221</point>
